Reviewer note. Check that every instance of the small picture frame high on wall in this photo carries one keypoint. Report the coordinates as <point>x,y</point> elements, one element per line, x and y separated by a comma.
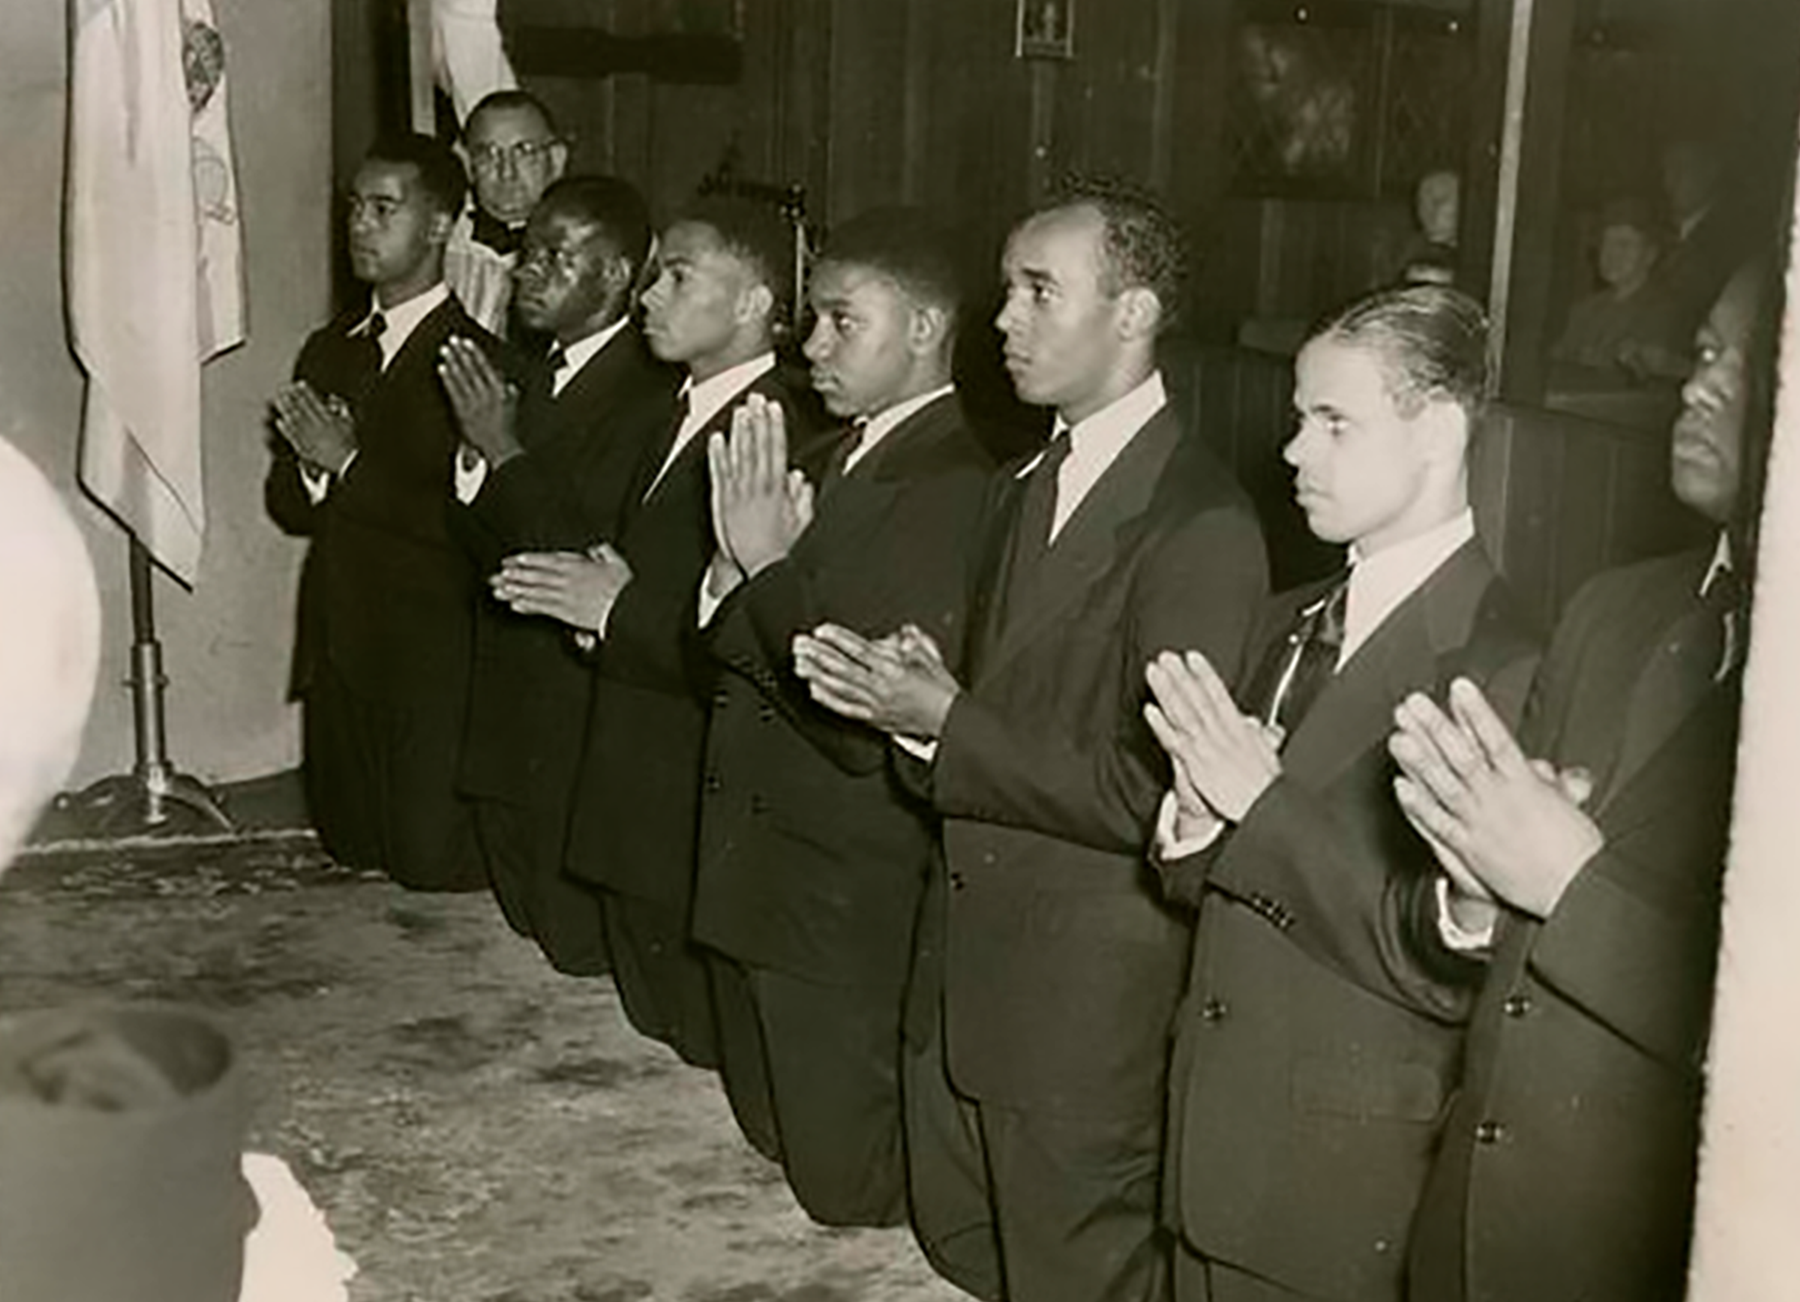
<point>1046,29</point>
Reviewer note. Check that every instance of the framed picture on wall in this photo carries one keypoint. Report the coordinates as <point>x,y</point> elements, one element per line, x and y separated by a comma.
<point>1046,29</point>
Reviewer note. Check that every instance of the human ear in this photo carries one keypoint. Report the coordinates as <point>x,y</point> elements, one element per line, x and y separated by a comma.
<point>1140,313</point>
<point>925,328</point>
<point>758,301</point>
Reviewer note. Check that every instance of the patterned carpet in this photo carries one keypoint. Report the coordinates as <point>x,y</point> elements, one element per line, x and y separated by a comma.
<point>475,1127</point>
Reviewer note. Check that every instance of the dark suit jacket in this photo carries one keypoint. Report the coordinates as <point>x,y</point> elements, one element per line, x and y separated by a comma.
<point>1568,1165</point>
<point>812,857</point>
<point>529,697</point>
<point>386,594</point>
<point>1315,1056</point>
<point>1060,965</point>
<point>635,815</point>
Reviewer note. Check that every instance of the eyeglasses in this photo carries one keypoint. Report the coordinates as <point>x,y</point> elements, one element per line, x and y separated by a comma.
<point>521,153</point>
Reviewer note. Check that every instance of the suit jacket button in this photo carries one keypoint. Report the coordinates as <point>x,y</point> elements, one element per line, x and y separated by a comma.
<point>721,695</point>
<point>1516,1005</point>
<point>957,881</point>
<point>1489,1132</point>
<point>1213,1010</point>
<point>758,805</point>
<point>713,784</point>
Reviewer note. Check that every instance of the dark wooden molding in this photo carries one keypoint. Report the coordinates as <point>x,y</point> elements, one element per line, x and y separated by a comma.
<point>587,53</point>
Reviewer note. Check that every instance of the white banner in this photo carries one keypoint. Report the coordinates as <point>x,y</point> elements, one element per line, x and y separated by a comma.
<point>153,257</point>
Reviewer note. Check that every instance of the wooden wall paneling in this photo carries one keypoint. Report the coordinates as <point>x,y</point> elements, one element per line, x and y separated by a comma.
<point>803,155</point>
<point>915,60</point>
<point>1560,498</point>
<point>1104,97</point>
<point>867,106</point>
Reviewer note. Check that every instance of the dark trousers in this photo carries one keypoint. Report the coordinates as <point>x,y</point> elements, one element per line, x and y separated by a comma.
<point>522,849</point>
<point>812,1072</point>
<point>661,976</point>
<point>1076,1198</point>
<point>1201,1279</point>
<point>1069,1197</point>
<point>946,1170</point>
<point>381,785</point>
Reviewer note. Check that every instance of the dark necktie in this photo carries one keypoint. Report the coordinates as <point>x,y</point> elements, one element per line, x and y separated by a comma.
<point>650,468</point>
<point>835,465</point>
<point>1031,531</point>
<point>494,233</point>
<point>1726,598</point>
<point>555,361</point>
<point>365,352</point>
<point>1296,669</point>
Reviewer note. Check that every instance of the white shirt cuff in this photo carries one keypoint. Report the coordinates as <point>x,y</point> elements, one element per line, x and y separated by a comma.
<point>711,600</point>
<point>1455,937</point>
<point>471,470</point>
<point>316,482</point>
<point>1170,845</point>
<point>918,748</point>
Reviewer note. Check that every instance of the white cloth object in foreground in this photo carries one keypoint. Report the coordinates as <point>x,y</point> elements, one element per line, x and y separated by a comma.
<point>50,652</point>
<point>291,1255</point>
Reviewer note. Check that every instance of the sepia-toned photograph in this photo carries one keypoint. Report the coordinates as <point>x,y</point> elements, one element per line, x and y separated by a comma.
<point>894,651</point>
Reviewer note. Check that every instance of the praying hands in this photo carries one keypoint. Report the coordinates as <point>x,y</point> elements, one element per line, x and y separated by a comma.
<point>898,685</point>
<point>1224,760</point>
<point>486,406</point>
<point>1503,827</point>
<point>319,427</point>
<point>580,589</point>
<point>760,506</point>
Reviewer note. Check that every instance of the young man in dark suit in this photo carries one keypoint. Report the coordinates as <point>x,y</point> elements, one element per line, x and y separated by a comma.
<point>1058,967</point>
<point>543,469</point>
<point>1313,1059</point>
<point>1585,883</point>
<point>812,858</point>
<point>387,597</point>
<point>713,309</point>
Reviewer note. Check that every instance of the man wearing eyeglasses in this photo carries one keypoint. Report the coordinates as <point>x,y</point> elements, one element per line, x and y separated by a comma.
<point>511,149</point>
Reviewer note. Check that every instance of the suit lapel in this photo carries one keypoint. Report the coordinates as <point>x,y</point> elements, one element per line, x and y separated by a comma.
<point>1108,523</point>
<point>694,454</point>
<point>859,504</point>
<point>1356,708</point>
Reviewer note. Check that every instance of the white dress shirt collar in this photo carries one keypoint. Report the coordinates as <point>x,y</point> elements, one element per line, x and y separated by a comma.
<point>887,420</point>
<point>709,397</point>
<point>583,351</point>
<point>1096,441</point>
<point>1380,582</point>
<point>1721,563</point>
<point>401,320</point>
<point>706,400</point>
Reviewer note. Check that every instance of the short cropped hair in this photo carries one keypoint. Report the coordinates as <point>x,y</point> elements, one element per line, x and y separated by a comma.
<point>908,247</point>
<point>755,234</point>
<point>1431,340</point>
<point>1143,246</point>
<point>440,174</point>
<point>500,101</point>
<point>613,205</point>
